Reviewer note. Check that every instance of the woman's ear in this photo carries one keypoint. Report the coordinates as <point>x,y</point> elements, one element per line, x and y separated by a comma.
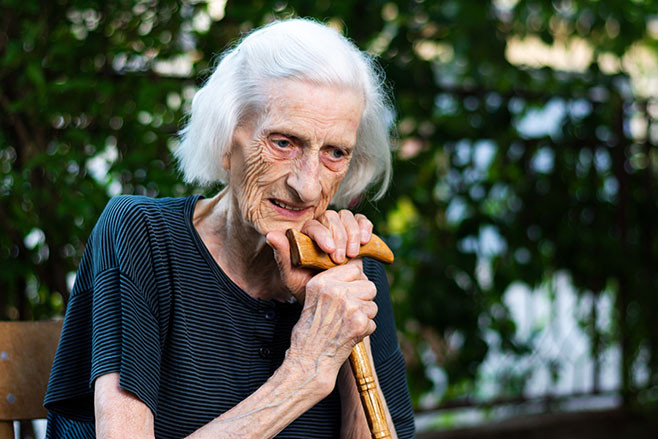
<point>226,160</point>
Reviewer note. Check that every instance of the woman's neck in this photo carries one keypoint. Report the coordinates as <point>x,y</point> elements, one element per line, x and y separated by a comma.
<point>240,251</point>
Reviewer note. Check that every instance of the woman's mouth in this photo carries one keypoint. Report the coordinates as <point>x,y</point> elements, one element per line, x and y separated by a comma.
<point>288,210</point>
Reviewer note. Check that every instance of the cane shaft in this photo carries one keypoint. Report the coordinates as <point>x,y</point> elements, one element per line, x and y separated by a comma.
<point>365,381</point>
<point>305,253</point>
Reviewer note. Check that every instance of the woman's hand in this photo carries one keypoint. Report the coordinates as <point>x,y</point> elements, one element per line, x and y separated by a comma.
<point>339,234</point>
<point>338,308</point>
<point>338,313</point>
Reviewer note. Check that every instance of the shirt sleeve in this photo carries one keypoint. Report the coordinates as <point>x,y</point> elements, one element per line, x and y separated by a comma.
<point>389,363</point>
<point>111,322</point>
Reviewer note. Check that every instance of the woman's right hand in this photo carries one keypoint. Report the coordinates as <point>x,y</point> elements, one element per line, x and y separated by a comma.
<point>338,313</point>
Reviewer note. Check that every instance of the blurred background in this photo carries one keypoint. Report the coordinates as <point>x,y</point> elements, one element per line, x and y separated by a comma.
<point>523,212</point>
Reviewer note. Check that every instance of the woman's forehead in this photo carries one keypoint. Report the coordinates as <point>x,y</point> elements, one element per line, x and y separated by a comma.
<point>305,110</point>
<point>293,92</point>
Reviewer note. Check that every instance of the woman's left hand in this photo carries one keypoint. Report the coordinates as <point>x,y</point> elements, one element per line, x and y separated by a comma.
<point>339,234</point>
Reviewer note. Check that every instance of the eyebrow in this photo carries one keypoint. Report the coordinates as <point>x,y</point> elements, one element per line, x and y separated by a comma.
<point>300,139</point>
<point>305,140</point>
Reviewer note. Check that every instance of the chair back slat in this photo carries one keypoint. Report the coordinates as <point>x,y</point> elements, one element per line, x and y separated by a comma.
<point>27,350</point>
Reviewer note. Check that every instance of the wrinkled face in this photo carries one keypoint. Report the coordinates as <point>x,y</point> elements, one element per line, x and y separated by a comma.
<point>286,166</point>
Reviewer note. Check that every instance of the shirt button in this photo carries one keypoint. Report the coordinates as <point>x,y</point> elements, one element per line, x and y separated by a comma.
<point>270,314</point>
<point>265,352</point>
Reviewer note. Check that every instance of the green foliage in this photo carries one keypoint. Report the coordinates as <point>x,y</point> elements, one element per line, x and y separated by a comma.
<point>83,90</point>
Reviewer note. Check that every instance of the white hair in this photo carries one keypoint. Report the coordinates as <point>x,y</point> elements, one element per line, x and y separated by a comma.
<point>299,49</point>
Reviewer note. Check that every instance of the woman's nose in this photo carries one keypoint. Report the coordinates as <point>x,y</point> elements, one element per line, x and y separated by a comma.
<point>304,179</point>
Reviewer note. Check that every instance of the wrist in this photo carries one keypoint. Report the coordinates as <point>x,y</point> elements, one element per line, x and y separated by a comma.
<point>311,375</point>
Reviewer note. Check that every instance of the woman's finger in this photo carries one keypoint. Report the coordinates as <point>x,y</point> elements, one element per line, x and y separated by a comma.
<point>320,234</point>
<point>350,272</point>
<point>363,289</point>
<point>352,231</point>
<point>332,221</point>
<point>365,227</point>
<point>370,309</point>
<point>339,234</point>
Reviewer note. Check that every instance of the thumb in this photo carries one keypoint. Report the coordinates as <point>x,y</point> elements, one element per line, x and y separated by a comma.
<point>281,248</point>
<point>294,279</point>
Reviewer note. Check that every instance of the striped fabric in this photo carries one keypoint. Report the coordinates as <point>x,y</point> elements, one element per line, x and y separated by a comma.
<point>150,303</point>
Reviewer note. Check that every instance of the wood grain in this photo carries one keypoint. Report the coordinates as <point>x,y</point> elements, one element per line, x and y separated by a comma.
<point>365,382</point>
<point>26,355</point>
<point>306,253</point>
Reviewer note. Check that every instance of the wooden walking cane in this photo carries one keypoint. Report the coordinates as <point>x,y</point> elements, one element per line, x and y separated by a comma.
<point>305,253</point>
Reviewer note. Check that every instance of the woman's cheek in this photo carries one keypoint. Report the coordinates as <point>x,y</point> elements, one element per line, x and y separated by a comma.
<point>330,186</point>
<point>256,168</point>
<point>337,166</point>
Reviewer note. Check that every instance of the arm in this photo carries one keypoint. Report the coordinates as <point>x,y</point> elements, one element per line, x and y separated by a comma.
<point>120,414</point>
<point>284,397</point>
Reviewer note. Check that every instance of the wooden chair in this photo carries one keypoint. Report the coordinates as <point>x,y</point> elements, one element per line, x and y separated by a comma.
<point>27,350</point>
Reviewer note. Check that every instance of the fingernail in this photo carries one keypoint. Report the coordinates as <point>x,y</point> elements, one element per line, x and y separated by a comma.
<point>340,255</point>
<point>364,235</point>
<point>354,248</point>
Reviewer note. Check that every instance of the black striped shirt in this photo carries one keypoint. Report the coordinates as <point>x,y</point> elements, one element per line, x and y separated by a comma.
<point>150,302</point>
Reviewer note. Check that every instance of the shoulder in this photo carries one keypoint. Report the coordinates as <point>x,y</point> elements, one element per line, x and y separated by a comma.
<point>121,209</point>
<point>130,225</point>
<point>127,206</point>
<point>125,212</point>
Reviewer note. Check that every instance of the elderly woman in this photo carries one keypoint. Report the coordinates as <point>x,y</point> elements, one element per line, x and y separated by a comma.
<point>187,318</point>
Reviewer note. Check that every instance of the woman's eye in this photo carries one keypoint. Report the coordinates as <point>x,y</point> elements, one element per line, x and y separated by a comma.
<point>282,143</point>
<point>337,153</point>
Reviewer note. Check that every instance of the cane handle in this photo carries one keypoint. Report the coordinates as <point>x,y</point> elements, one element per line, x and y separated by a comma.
<point>306,253</point>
